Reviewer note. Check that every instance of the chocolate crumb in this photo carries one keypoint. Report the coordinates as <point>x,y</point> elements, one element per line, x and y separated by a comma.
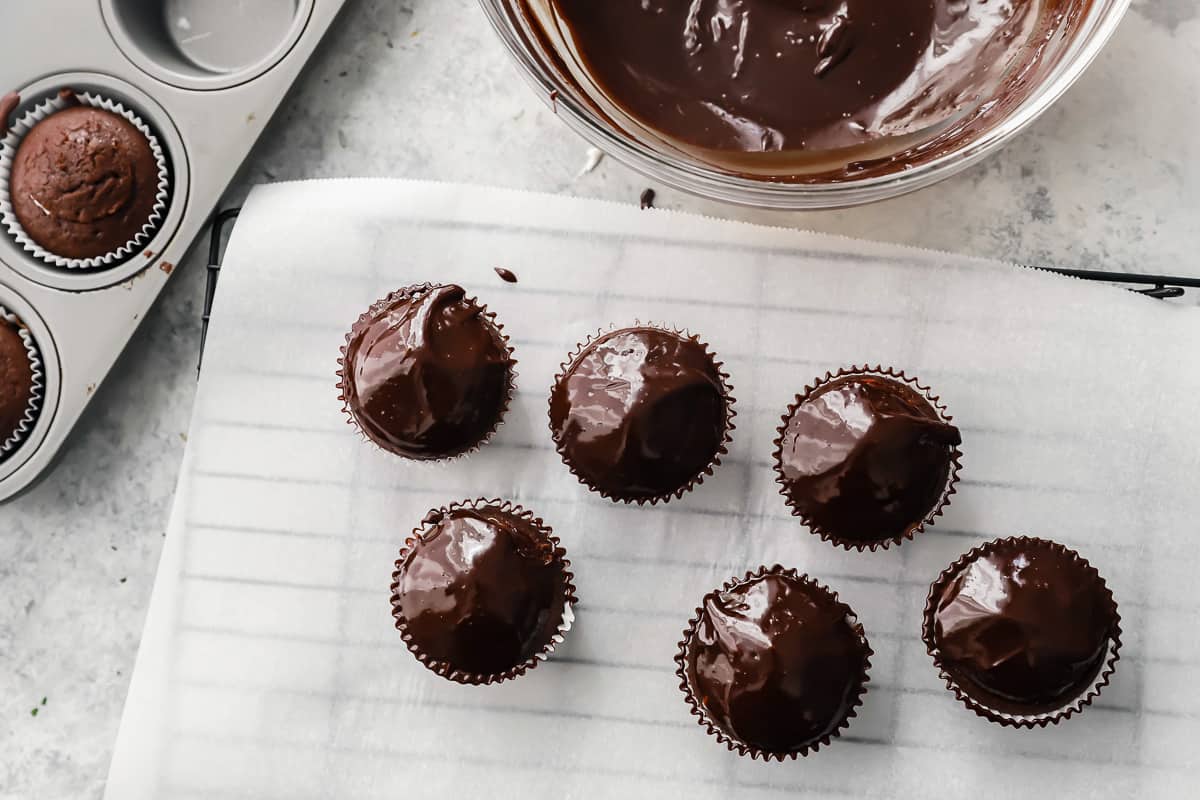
<point>506,274</point>
<point>149,254</point>
<point>554,100</point>
<point>167,267</point>
<point>8,104</point>
<point>68,96</point>
<point>647,199</point>
<point>124,579</point>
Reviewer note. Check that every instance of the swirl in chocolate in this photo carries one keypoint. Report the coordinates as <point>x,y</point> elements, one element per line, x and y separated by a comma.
<point>777,662</point>
<point>640,413</point>
<point>482,590</point>
<point>426,373</point>
<point>1024,627</point>
<point>865,459</point>
<point>772,75</point>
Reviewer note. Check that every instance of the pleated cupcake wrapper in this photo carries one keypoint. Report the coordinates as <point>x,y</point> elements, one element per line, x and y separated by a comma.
<point>712,726</point>
<point>38,384</point>
<point>8,152</point>
<point>1041,719</point>
<point>726,393</point>
<point>344,372</point>
<point>880,372</point>
<point>426,529</point>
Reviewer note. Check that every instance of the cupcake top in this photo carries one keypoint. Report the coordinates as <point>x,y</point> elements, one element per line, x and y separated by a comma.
<point>426,373</point>
<point>865,459</point>
<point>84,182</point>
<point>641,413</point>
<point>16,379</point>
<point>482,592</point>
<point>774,663</point>
<point>1021,626</point>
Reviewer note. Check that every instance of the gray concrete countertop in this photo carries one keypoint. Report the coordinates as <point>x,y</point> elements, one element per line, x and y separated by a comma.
<point>1108,178</point>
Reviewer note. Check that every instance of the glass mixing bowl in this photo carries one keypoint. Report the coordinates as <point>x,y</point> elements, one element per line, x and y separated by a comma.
<point>895,166</point>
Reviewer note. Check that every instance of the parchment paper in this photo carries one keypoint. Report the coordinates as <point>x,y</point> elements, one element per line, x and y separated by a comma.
<point>270,668</point>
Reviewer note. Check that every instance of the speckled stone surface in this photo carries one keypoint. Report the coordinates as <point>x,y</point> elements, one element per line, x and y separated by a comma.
<point>1108,178</point>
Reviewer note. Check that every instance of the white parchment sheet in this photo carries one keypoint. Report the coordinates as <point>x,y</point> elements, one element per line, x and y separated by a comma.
<point>270,668</point>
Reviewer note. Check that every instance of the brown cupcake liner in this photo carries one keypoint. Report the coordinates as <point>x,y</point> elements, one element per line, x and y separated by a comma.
<point>878,371</point>
<point>726,392</point>
<point>711,726</point>
<point>1041,719</point>
<point>497,330</point>
<point>9,444</point>
<point>8,152</point>
<point>570,598</point>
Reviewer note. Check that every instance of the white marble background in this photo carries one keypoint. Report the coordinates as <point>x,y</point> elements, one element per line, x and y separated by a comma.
<point>1109,178</point>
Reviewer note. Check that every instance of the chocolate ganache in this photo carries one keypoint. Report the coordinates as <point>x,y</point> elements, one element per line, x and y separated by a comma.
<point>776,662</point>
<point>1023,626</point>
<point>773,75</point>
<point>481,591</point>
<point>640,413</point>
<point>426,373</point>
<point>865,459</point>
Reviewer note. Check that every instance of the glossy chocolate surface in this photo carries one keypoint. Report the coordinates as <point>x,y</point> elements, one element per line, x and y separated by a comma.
<point>776,662</point>
<point>865,458</point>
<point>640,413</point>
<point>426,373</point>
<point>84,182</point>
<point>1023,628</point>
<point>16,379</point>
<point>483,591</point>
<point>775,75</point>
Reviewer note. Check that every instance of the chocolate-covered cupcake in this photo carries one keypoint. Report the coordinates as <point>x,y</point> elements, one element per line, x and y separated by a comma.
<point>641,413</point>
<point>867,457</point>
<point>20,382</point>
<point>1024,631</point>
<point>426,372</point>
<point>482,592</point>
<point>773,664</point>
<point>88,181</point>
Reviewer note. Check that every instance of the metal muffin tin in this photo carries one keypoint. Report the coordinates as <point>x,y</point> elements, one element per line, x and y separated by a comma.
<point>206,75</point>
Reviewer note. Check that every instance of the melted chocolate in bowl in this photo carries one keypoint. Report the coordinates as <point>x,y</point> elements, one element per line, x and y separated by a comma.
<point>802,90</point>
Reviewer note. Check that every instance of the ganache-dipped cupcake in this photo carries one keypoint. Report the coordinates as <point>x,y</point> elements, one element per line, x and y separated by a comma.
<point>1024,631</point>
<point>773,664</point>
<point>867,457</point>
<point>426,373</point>
<point>84,181</point>
<point>482,592</point>
<point>641,413</point>
<point>20,383</point>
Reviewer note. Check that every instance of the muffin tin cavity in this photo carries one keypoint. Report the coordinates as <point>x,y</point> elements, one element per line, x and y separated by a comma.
<point>160,124</point>
<point>51,380</point>
<point>206,44</point>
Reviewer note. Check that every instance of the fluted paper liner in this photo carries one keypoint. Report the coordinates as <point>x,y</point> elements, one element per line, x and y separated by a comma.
<point>880,372</point>
<point>1040,719</point>
<point>8,152</point>
<point>726,394</point>
<point>444,669</point>
<point>37,385</point>
<point>343,371</point>
<point>712,726</point>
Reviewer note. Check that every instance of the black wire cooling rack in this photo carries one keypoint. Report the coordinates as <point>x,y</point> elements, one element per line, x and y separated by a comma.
<point>1160,287</point>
